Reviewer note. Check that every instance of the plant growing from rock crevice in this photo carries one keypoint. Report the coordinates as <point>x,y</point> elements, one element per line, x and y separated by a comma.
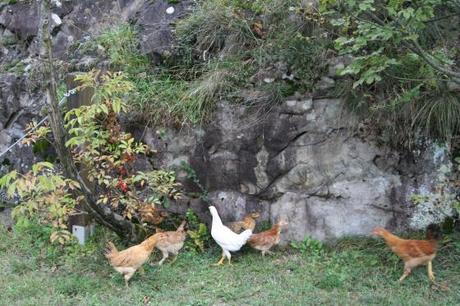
<point>403,64</point>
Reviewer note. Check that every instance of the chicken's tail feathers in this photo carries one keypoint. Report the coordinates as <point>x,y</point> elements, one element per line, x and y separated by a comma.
<point>182,226</point>
<point>110,250</point>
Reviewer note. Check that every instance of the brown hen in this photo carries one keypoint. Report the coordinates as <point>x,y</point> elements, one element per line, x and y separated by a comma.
<point>152,215</point>
<point>264,241</point>
<point>128,261</point>
<point>248,222</point>
<point>172,242</point>
<point>413,252</point>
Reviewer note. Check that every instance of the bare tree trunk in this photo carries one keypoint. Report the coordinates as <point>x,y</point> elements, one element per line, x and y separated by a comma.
<point>104,216</point>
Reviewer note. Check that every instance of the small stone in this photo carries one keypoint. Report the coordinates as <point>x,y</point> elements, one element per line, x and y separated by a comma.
<point>269,80</point>
<point>100,50</point>
<point>56,19</point>
<point>28,68</point>
<point>86,62</point>
<point>296,106</point>
<point>286,76</point>
<point>170,10</point>
<point>5,51</point>
<point>7,38</point>
<point>325,83</point>
<point>57,3</point>
<point>333,69</point>
<point>452,86</point>
<point>307,104</point>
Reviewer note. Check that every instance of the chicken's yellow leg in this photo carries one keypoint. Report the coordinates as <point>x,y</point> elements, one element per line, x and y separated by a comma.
<point>430,271</point>
<point>221,261</point>
<point>405,274</point>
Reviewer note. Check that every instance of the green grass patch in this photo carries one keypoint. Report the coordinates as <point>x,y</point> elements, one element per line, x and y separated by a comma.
<point>16,66</point>
<point>121,47</point>
<point>8,2</point>
<point>176,94</point>
<point>354,271</point>
<point>281,44</point>
<point>220,46</point>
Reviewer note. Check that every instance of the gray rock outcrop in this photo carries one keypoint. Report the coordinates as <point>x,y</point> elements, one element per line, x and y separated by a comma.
<point>305,163</point>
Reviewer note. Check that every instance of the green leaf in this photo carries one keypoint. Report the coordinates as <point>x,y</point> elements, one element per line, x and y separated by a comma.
<point>11,190</point>
<point>165,202</point>
<point>366,5</point>
<point>7,178</point>
<point>116,105</point>
<point>104,108</point>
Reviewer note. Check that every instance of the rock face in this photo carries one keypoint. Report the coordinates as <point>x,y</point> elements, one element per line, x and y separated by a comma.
<point>21,99</point>
<point>303,163</point>
<point>18,108</point>
<point>302,160</point>
<point>21,19</point>
<point>154,20</point>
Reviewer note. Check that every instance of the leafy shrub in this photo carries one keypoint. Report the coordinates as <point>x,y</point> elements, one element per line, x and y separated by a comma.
<point>220,45</point>
<point>402,62</point>
<point>214,26</point>
<point>160,96</point>
<point>231,35</point>
<point>106,156</point>
<point>310,246</point>
<point>198,232</point>
<point>46,198</point>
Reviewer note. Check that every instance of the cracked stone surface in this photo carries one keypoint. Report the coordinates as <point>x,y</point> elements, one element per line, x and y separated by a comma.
<point>21,98</point>
<point>302,163</point>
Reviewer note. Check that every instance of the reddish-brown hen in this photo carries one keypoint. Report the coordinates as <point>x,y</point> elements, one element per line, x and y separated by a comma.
<point>152,215</point>
<point>264,241</point>
<point>413,252</point>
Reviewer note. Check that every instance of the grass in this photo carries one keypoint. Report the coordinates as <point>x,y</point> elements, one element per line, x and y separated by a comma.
<point>162,95</point>
<point>120,45</point>
<point>216,53</point>
<point>227,29</point>
<point>16,66</point>
<point>358,271</point>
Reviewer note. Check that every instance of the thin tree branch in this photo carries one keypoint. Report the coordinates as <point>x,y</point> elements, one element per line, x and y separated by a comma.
<point>417,49</point>
<point>106,217</point>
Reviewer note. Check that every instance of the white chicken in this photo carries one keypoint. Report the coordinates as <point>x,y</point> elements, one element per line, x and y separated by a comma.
<point>225,237</point>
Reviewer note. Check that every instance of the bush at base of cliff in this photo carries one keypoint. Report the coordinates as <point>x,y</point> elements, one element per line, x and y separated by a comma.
<point>105,156</point>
